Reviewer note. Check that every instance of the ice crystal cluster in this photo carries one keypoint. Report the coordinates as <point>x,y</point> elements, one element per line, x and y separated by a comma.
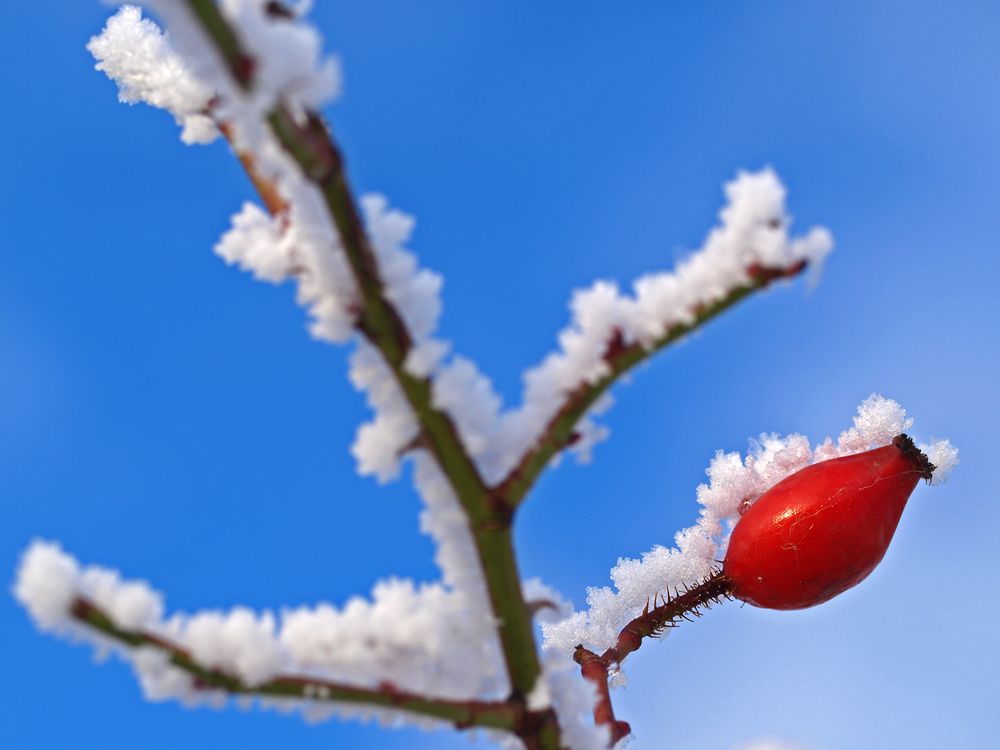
<point>436,639</point>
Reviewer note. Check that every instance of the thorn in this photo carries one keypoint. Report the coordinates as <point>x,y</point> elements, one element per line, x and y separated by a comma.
<point>536,606</point>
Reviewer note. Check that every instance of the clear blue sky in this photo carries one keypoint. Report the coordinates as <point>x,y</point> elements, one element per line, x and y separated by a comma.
<point>164,414</point>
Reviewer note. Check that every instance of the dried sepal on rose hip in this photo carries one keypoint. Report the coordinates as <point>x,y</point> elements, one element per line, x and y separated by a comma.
<point>823,529</point>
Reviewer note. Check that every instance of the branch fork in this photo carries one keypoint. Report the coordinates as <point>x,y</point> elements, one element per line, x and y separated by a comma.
<point>489,509</point>
<point>676,606</point>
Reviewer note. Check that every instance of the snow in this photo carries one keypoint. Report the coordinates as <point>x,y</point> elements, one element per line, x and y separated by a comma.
<point>238,642</point>
<point>47,584</point>
<point>133,52</point>
<point>257,243</point>
<point>944,456</point>
<point>182,72</point>
<point>753,232</point>
<point>426,638</point>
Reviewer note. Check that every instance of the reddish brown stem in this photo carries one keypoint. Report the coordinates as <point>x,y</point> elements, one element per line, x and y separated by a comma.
<point>595,669</point>
<point>676,606</point>
<point>269,194</point>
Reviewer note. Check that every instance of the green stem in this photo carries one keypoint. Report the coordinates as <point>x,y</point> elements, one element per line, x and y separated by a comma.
<point>620,359</point>
<point>310,144</point>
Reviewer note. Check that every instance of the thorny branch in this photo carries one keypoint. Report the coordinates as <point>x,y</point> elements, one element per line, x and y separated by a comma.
<point>675,606</point>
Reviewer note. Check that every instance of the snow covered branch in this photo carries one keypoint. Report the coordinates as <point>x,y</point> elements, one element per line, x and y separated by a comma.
<point>314,663</point>
<point>462,652</point>
<point>612,333</point>
<point>321,236</point>
<point>676,605</point>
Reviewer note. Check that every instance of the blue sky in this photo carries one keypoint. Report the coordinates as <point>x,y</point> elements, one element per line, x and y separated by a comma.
<point>165,415</point>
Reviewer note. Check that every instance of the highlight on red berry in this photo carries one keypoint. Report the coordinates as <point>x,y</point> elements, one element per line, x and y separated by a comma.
<point>823,529</point>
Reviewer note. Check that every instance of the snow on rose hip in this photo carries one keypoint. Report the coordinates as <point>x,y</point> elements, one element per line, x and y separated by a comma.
<point>823,529</point>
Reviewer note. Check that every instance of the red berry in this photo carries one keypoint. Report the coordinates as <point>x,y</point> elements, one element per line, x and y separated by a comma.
<point>823,529</point>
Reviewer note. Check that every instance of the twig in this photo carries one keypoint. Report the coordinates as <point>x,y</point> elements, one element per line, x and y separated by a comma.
<point>620,358</point>
<point>593,668</point>
<point>651,623</point>
<point>507,715</point>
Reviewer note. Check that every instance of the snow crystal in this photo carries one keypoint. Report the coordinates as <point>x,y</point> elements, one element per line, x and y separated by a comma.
<point>878,421</point>
<point>415,292</point>
<point>130,604</point>
<point>380,444</point>
<point>288,66</point>
<point>732,481</point>
<point>133,52</point>
<point>46,584</point>
<point>444,520</point>
<point>425,357</point>
<point>162,681</point>
<point>238,642</point>
<point>288,62</point>
<point>465,393</point>
<point>424,638</point>
<point>257,243</point>
<point>573,699</point>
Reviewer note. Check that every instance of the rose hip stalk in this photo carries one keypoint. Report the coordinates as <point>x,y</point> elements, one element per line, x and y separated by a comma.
<point>823,529</point>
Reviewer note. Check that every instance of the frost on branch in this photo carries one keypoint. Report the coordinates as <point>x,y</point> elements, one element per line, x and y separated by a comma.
<point>134,53</point>
<point>419,638</point>
<point>732,481</point>
<point>753,235</point>
<point>183,74</point>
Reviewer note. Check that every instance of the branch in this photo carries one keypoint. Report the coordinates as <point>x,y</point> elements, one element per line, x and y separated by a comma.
<point>269,194</point>
<point>620,358</point>
<point>651,623</point>
<point>510,716</point>
<point>594,669</point>
<point>309,143</point>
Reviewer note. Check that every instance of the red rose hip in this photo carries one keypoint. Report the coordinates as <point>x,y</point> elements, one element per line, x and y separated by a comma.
<point>823,529</point>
